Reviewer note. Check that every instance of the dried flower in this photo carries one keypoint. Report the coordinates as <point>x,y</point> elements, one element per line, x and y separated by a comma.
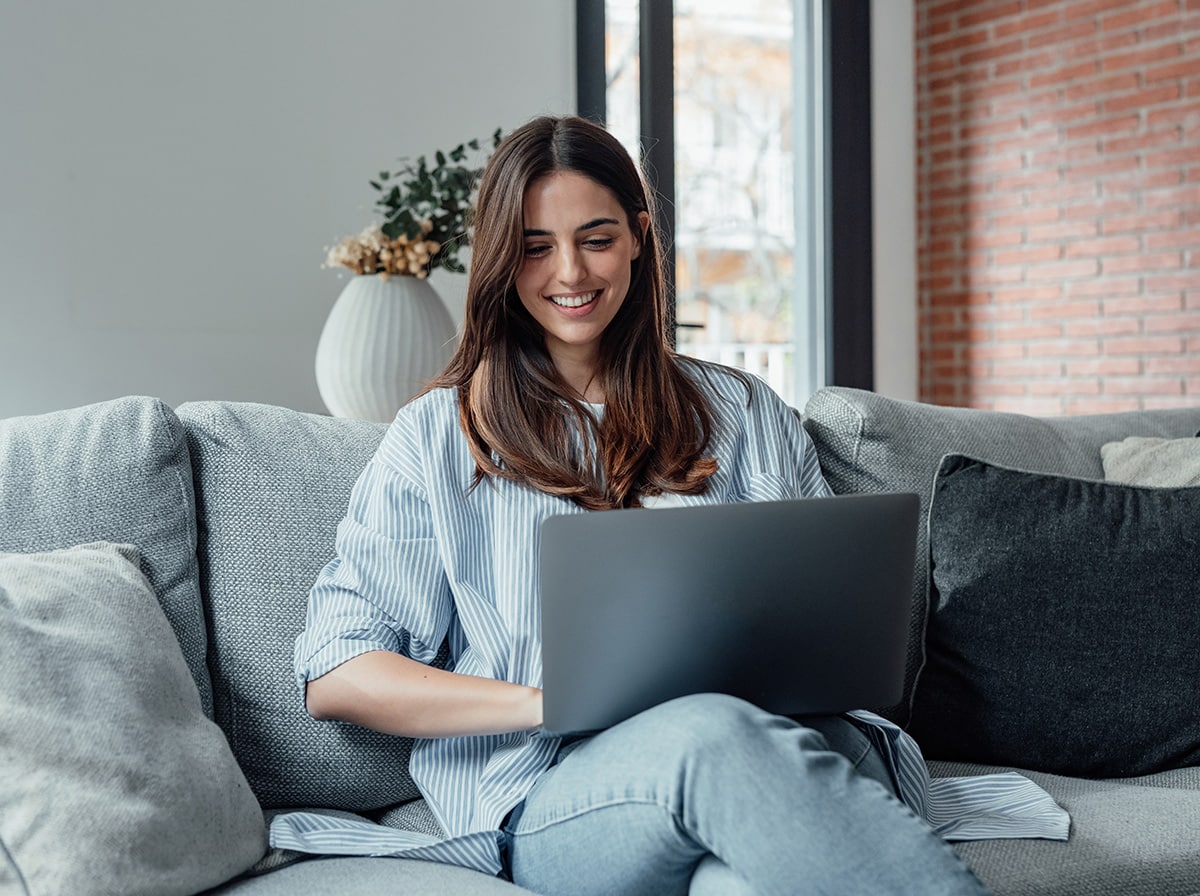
<point>373,252</point>
<point>426,214</point>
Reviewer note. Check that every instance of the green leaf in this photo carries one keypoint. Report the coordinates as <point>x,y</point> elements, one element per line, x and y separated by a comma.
<point>383,175</point>
<point>441,158</point>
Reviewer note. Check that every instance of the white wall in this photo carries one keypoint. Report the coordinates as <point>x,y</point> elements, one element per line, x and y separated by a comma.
<point>171,173</point>
<point>893,132</point>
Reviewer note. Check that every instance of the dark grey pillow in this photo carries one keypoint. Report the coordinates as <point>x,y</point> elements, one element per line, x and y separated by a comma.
<point>1064,623</point>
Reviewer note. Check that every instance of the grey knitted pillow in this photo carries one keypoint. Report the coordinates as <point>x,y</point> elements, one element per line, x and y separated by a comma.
<point>272,485</point>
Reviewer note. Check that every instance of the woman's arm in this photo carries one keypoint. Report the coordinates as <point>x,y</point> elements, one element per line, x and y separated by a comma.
<point>397,695</point>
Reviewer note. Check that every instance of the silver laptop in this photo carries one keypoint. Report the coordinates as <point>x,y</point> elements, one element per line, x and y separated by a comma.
<point>798,606</point>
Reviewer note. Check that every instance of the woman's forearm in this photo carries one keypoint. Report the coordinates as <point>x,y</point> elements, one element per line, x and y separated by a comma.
<point>394,694</point>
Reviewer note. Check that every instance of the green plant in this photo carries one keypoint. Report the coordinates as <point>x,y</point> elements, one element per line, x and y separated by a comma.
<point>432,202</point>
<point>426,213</point>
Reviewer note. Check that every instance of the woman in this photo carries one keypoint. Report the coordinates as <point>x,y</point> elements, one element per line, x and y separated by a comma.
<point>564,396</point>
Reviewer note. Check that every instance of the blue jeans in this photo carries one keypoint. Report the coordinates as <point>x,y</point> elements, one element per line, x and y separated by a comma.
<point>711,795</point>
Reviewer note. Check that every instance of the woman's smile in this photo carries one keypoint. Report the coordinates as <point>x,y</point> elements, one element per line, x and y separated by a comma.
<point>578,300</point>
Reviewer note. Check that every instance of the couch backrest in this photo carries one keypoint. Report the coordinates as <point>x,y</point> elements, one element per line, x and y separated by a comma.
<point>869,443</point>
<point>113,471</point>
<point>271,486</point>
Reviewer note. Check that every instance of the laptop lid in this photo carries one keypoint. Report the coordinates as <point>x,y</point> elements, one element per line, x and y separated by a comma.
<point>799,606</point>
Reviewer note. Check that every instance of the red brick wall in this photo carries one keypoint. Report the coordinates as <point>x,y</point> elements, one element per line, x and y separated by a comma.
<point>1058,153</point>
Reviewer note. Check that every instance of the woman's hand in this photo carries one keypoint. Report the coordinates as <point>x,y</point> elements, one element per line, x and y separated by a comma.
<point>394,694</point>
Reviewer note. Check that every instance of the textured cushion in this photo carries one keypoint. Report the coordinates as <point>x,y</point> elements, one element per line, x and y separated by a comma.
<point>869,443</point>
<point>1064,625</point>
<point>1132,837</point>
<point>321,877</point>
<point>271,487</point>
<point>1141,460</point>
<point>112,780</point>
<point>115,471</point>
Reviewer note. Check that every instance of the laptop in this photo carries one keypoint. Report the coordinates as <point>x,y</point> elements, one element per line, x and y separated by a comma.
<point>799,606</point>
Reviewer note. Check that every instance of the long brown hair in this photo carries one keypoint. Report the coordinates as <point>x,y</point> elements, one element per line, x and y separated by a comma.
<point>522,420</point>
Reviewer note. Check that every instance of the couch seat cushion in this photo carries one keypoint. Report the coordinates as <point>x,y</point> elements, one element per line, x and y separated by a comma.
<point>112,779</point>
<point>1129,837</point>
<point>321,877</point>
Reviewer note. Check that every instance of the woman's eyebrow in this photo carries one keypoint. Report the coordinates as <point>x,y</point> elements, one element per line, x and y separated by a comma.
<point>597,222</point>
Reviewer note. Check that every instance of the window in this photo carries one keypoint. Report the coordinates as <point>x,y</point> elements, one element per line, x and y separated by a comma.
<point>739,138</point>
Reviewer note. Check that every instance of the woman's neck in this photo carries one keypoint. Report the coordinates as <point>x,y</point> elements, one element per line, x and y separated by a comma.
<point>580,376</point>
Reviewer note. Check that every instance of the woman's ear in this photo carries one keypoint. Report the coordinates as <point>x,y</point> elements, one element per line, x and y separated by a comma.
<point>639,234</point>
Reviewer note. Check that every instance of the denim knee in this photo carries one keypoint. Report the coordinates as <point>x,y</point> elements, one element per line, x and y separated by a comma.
<point>704,724</point>
<point>702,715</point>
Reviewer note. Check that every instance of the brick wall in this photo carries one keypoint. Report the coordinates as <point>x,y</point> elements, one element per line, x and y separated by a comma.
<point>1058,148</point>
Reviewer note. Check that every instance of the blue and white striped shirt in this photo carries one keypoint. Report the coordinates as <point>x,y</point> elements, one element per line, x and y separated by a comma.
<point>421,558</point>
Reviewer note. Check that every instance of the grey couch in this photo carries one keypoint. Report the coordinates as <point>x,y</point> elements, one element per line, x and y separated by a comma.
<point>231,510</point>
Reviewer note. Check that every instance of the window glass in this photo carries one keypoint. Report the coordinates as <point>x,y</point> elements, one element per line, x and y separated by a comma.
<point>736,271</point>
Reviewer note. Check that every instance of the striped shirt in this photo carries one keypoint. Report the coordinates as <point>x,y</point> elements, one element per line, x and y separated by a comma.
<point>422,558</point>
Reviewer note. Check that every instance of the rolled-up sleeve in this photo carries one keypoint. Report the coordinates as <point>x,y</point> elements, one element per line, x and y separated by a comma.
<point>386,588</point>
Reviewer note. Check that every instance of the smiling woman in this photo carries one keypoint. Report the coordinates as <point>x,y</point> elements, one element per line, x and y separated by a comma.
<point>579,247</point>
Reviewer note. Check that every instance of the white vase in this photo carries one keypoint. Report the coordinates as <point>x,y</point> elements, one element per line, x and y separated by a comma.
<point>383,340</point>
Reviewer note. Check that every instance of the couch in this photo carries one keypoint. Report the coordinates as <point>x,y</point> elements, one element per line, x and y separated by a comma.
<point>154,564</point>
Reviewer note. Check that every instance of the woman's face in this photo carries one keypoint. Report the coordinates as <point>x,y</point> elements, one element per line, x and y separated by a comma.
<point>578,253</point>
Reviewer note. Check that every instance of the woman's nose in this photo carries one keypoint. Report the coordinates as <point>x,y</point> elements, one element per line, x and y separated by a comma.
<point>570,267</point>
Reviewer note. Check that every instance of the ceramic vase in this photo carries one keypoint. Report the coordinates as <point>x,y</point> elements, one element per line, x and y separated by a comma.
<point>383,340</point>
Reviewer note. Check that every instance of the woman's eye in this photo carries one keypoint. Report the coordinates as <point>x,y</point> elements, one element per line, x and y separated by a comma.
<point>600,242</point>
<point>536,251</point>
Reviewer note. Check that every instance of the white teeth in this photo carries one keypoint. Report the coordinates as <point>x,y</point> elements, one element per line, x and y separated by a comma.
<point>574,301</point>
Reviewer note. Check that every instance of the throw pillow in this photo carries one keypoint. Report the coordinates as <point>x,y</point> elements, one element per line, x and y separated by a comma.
<point>268,510</point>
<point>1064,622</point>
<point>125,478</point>
<point>1142,460</point>
<point>112,780</point>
